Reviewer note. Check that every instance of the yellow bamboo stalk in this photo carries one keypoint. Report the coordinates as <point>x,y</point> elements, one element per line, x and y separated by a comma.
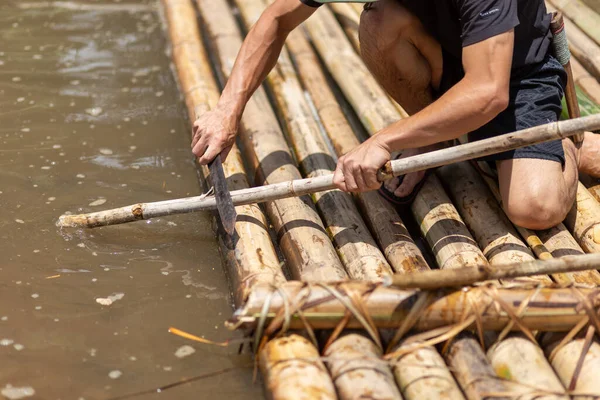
<point>473,370</point>
<point>383,220</point>
<point>250,256</point>
<point>581,15</point>
<point>295,220</point>
<point>519,360</point>
<point>584,220</point>
<point>595,191</point>
<point>356,247</point>
<point>358,371</point>
<point>292,369</point>
<point>349,20</point>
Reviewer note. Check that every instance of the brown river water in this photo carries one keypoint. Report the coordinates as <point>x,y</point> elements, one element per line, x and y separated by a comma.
<point>91,118</point>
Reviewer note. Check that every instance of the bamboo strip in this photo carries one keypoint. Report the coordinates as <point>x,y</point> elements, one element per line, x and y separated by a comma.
<point>422,374</point>
<point>356,247</point>
<point>250,256</point>
<point>383,220</point>
<point>357,369</point>
<point>584,220</point>
<point>548,309</point>
<point>295,220</point>
<point>473,370</point>
<point>512,359</point>
<point>581,15</point>
<point>292,369</point>
<point>565,361</point>
<point>444,230</point>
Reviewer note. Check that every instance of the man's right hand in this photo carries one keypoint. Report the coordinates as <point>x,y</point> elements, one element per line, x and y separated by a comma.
<point>214,133</point>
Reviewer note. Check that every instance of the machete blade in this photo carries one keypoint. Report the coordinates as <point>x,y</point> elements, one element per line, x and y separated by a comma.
<point>222,195</point>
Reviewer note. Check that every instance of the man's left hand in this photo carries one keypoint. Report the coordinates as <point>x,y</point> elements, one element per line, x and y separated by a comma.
<point>357,170</point>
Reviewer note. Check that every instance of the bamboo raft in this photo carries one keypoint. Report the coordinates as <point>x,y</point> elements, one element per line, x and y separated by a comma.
<point>323,282</point>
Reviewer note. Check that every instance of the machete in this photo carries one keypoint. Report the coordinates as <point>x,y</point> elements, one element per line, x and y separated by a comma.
<point>222,195</point>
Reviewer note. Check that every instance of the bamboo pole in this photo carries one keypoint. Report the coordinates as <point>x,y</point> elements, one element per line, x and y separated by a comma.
<point>356,247</point>
<point>595,191</point>
<point>383,220</point>
<point>250,255</point>
<point>444,230</point>
<point>295,219</point>
<point>292,369</point>
<point>585,81</point>
<point>422,374</point>
<point>357,369</point>
<point>581,15</point>
<point>584,220</point>
<point>548,309</point>
<point>515,363</point>
<point>468,275</point>
<point>349,19</point>
<point>576,363</point>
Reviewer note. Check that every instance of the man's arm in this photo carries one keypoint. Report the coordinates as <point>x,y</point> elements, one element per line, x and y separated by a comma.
<point>214,132</point>
<point>474,101</point>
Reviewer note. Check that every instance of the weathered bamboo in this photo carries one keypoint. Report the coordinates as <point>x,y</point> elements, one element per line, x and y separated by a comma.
<point>292,369</point>
<point>358,371</point>
<point>444,230</point>
<point>422,374</point>
<point>569,359</point>
<point>581,15</point>
<point>250,255</point>
<point>595,191</point>
<point>301,187</point>
<point>383,220</point>
<point>584,220</point>
<point>473,370</point>
<point>295,219</point>
<point>462,276</point>
<point>515,363</point>
<point>585,81</point>
<point>349,20</point>
<point>548,309</point>
<point>357,248</point>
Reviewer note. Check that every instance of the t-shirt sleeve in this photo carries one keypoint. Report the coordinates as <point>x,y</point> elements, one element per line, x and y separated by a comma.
<point>311,3</point>
<point>483,19</point>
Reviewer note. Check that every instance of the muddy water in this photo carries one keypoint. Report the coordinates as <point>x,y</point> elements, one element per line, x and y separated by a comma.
<point>90,118</point>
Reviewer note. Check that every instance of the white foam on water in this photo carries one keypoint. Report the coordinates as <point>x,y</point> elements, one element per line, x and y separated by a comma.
<point>16,393</point>
<point>184,351</point>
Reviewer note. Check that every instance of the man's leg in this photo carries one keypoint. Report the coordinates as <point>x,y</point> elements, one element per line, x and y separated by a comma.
<point>538,194</point>
<point>405,60</point>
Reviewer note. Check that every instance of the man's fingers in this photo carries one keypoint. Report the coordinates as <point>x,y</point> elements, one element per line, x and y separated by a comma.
<point>199,148</point>
<point>370,178</point>
<point>209,155</point>
<point>351,185</point>
<point>359,178</point>
<point>338,179</point>
<point>225,152</point>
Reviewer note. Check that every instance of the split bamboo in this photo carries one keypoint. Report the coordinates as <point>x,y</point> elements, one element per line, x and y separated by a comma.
<point>576,363</point>
<point>324,306</point>
<point>514,363</point>
<point>421,373</point>
<point>584,220</point>
<point>581,15</point>
<point>250,255</point>
<point>295,220</point>
<point>473,370</point>
<point>358,371</point>
<point>383,220</point>
<point>357,248</point>
<point>292,369</point>
<point>443,228</point>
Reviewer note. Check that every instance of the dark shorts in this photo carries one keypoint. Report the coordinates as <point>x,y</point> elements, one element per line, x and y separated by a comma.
<point>535,99</point>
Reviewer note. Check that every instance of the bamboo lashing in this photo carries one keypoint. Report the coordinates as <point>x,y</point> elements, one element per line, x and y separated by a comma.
<point>322,305</point>
<point>357,248</point>
<point>457,277</point>
<point>251,258</point>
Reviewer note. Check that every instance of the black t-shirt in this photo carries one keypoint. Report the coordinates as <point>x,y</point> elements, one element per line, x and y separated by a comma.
<point>460,23</point>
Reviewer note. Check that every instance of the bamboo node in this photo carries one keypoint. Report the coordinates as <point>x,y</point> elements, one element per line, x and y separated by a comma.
<point>138,211</point>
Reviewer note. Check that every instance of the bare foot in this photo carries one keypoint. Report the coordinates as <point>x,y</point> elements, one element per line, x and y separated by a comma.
<point>589,160</point>
<point>410,180</point>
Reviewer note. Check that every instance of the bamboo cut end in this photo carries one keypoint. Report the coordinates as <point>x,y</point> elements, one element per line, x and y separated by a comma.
<point>72,221</point>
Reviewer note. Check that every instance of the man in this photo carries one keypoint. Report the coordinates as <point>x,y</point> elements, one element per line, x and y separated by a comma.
<point>481,67</point>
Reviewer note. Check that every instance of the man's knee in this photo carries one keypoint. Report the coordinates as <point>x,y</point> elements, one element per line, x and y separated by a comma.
<point>537,212</point>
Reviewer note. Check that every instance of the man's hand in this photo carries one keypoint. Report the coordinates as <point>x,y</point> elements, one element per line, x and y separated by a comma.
<point>357,170</point>
<point>213,134</point>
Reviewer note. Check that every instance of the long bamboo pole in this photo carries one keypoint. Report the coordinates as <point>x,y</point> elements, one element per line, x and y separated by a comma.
<point>295,220</point>
<point>323,306</point>
<point>300,187</point>
<point>457,277</point>
<point>250,255</point>
<point>584,220</point>
<point>357,248</point>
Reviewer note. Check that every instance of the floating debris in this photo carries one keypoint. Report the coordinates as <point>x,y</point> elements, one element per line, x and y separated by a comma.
<point>107,301</point>
<point>94,112</point>
<point>115,374</point>
<point>16,393</point>
<point>35,295</point>
<point>184,351</point>
<point>6,342</point>
<point>106,152</point>
<point>98,202</point>
<point>18,346</point>
<point>20,221</point>
<point>80,176</point>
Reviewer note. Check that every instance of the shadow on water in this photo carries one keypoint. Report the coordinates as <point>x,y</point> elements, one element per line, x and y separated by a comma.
<point>91,119</point>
